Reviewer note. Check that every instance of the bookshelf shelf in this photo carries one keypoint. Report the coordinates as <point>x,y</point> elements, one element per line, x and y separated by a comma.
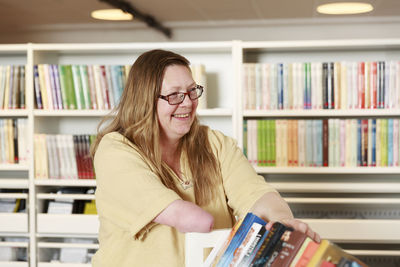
<point>303,200</point>
<point>328,170</point>
<point>14,222</point>
<point>65,196</point>
<point>50,182</point>
<point>14,195</point>
<point>66,245</point>
<point>13,264</point>
<point>14,183</point>
<point>70,113</point>
<point>101,113</point>
<point>322,113</point>
<point>55,264</point>
<point>14,244</point>
<point>14,113</point>
<point>374,252</point>
<point>67,224</point>
<point>13,167</point>
<point>353,230</point>
<point>337,187</point>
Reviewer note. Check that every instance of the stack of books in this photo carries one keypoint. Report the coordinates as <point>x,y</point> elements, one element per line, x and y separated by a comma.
<point>251,244</point>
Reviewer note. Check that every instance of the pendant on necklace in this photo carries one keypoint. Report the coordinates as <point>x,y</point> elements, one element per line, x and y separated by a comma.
<point>186,184</point>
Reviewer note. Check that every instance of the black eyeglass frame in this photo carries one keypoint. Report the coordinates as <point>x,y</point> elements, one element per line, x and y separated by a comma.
<point>183,95</point>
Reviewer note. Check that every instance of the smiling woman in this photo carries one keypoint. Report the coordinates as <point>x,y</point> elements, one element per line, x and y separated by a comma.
<point>161,174</point>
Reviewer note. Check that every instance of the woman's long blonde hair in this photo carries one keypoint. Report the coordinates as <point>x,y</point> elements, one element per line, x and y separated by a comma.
<point>136,119</point>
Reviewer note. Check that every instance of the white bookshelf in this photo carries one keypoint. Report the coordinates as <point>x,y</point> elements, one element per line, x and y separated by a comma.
<point>331,188</point>
<point>223,61</point>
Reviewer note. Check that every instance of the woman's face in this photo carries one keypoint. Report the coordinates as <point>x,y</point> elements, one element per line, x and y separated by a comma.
<point>175,120</point>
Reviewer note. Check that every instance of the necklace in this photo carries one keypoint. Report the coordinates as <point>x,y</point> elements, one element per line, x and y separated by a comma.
<point>186,184</point>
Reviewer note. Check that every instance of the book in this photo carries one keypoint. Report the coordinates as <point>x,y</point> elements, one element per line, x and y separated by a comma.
<point>238,238</point>
<point>254,247</point>
<point>219,251</point>
<point>328,251</point>
<point>269,243</point>
<point>290,247</point>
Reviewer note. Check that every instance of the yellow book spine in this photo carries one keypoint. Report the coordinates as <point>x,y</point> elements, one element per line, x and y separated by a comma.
<point>314,262</point>
<point>300,252</point>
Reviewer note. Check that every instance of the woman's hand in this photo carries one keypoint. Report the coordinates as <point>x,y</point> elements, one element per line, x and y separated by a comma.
<point>299,226</point>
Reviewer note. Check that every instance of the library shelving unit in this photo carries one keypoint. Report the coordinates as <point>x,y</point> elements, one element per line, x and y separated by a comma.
<point>329,198</point>
<point>14,227</point>
<point>45,233</point>
<point>374,190</point>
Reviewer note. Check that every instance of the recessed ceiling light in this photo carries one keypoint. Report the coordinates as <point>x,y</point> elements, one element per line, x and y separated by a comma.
<point>111,14</point>
<point>345,8</point>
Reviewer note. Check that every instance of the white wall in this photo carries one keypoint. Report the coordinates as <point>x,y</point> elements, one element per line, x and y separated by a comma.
<point>293,29</point>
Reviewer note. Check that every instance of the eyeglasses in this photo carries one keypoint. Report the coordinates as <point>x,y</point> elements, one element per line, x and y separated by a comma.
<point>178,97</point>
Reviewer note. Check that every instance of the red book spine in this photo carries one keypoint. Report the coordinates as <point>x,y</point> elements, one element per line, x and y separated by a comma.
<point>361,85</point>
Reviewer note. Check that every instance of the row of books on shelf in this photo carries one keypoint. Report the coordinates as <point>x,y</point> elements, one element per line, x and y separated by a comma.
<point>13,141</point>
<point>72,206</point>
<point>250,243</point>
<point>79,86</point>
<point>12,87</point>
<point>12,205</point>
<point>322,85</point>
<point>13,253</point>
<point>63,156</point>
<point>327,142</point>
<point>64,255</point>
<point>83,87</point>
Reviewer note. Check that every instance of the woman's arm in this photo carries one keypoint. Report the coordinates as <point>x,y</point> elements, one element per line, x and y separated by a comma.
<point>186,216</point>
<point>271,207</point>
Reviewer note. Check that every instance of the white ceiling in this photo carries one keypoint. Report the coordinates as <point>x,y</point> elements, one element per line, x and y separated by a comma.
<point>39,14</point>
<point>19,13</point>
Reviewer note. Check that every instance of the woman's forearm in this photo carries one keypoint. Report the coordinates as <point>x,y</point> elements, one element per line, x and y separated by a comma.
<point>186,216</point>
<point>272,207</point>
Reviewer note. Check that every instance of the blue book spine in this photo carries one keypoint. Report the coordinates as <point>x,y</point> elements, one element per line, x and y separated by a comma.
<point>390,142</point>
<point>38,94</point>
<point>121,79</point>
<point>238,238</point>
<point>359,147</point>
<point>280,86</point>
<point>373,154</point>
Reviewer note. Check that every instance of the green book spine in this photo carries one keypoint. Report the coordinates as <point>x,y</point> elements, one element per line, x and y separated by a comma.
<point>245,138</point>
<point>259,142</point>
<point>273,143</point>
<point>80,101</point>
<point>63,85</point>
<point>70,87</point>
<point>264,140</point>
<point>85,86</point>
<point>268,142</point>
